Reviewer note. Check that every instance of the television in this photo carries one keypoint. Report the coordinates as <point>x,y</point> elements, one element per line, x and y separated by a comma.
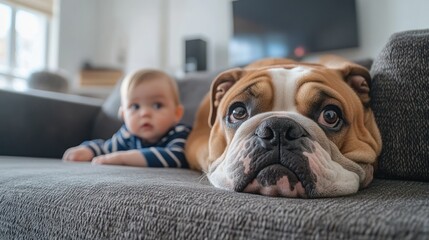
<point>291,28</point>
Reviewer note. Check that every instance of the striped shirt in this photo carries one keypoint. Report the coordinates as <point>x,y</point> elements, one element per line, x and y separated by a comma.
<point>168,152</point>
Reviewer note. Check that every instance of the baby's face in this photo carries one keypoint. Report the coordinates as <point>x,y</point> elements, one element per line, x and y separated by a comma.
<point>150,110</point>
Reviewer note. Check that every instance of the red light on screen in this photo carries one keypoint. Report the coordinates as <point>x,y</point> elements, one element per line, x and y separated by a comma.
<point>299,51</point>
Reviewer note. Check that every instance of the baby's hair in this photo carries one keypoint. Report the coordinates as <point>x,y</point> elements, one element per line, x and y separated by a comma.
<point>135,78</point>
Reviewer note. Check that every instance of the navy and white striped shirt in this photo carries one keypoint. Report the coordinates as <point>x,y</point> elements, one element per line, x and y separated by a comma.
<point>168,152</point>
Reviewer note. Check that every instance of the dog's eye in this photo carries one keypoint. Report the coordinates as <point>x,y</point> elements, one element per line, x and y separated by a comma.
<point>238,113</point>
<point>331,117</point>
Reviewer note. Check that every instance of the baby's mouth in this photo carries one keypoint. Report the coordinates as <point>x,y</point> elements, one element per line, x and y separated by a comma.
<point>146,126</point>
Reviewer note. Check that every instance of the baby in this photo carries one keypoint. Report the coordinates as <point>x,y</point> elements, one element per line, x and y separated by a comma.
<point>151,135</point>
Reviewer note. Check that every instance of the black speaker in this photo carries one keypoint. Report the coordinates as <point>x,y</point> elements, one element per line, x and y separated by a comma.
<point>195,55</point>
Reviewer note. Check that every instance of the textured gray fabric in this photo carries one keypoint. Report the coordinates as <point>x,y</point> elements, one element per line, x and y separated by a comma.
<point>192,91</point>
<point>49,199</point>
<point>400,100</point>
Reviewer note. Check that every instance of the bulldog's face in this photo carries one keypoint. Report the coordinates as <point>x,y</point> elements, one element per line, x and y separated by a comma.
<point>294,130</point>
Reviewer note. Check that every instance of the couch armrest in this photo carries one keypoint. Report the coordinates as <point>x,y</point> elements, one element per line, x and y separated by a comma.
<point>44,124</point>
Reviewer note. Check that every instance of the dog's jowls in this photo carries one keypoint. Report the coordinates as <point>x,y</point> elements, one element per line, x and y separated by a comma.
<point>285,128</point>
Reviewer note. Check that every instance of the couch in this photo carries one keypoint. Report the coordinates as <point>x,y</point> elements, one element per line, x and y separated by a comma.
<point>42,197</point>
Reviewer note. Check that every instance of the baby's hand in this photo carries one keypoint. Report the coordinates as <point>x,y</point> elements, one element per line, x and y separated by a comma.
<point>130,158</point>
<point>79,153</point>
<point>111,158</point>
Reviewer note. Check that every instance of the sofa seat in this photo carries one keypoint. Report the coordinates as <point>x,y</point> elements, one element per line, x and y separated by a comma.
<point>50,199</point>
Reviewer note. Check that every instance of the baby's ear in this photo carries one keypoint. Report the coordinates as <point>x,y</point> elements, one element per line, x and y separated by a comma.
<point>121,113</point>
<point>179,112</point>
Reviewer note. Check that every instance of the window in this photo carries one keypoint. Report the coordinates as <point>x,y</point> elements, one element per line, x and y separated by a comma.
<point>5,16</point>
<point>23,40</point>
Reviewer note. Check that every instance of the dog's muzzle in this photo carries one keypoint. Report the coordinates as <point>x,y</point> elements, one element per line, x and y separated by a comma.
<point>282,154</point>
<point>278,166</point>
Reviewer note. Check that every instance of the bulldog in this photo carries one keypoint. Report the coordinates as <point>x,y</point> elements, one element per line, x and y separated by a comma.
<point>279,127</point>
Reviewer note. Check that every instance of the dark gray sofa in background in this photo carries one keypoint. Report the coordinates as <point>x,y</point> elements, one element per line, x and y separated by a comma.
<point>42,197</point>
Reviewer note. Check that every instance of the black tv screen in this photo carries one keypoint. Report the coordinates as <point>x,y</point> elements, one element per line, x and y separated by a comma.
<point>291,28</point>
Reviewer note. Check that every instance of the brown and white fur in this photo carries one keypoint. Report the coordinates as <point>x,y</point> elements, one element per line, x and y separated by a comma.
<point>284,128</point>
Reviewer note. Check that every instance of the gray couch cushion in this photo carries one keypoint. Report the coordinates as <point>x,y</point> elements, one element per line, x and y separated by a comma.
<point>50,199</point>
<point>44,124</point>
<point>107,121</point>
<point>400,100</point>
<point>192,90</point>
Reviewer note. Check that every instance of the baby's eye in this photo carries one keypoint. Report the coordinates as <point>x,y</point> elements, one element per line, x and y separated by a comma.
<point>134,106</point>
<point>157,105</point>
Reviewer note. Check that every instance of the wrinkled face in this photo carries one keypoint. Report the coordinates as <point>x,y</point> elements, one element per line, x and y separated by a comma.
<point>296,132</point>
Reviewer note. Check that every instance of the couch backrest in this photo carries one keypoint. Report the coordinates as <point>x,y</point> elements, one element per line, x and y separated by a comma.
<point>400,101</point>
<point>107,122</point>
<point>192,90</point>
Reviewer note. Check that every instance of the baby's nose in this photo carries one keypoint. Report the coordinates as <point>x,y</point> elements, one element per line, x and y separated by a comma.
<point>145,111</point>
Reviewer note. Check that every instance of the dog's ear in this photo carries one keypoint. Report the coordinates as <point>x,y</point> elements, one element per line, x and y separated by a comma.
<point>220,85</point>
<point>355,75</point>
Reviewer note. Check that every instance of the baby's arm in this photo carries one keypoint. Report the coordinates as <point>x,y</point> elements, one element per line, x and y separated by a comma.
<point>173,154</point>
<point>165,157</point>
<point>130,158</point>
<point>170,156</point>
<point>79,153</point>
<point>145,157</point>
<point>90,149</point>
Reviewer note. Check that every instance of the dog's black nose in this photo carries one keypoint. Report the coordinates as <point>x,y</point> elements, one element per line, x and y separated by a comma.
<point>278,131</point>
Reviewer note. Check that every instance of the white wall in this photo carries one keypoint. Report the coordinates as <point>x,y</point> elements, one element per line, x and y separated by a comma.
<point>131,34</point>
<point>210,20</point>
<point>379,19</point>
<point>76,41</point>
<point>150,33</point>
<point>128,34</point>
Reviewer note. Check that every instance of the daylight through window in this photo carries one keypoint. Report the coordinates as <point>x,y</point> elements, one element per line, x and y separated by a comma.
<point>23,41</point>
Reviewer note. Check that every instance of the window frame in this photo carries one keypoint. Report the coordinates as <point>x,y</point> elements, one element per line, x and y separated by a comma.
<point>10,72</point>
